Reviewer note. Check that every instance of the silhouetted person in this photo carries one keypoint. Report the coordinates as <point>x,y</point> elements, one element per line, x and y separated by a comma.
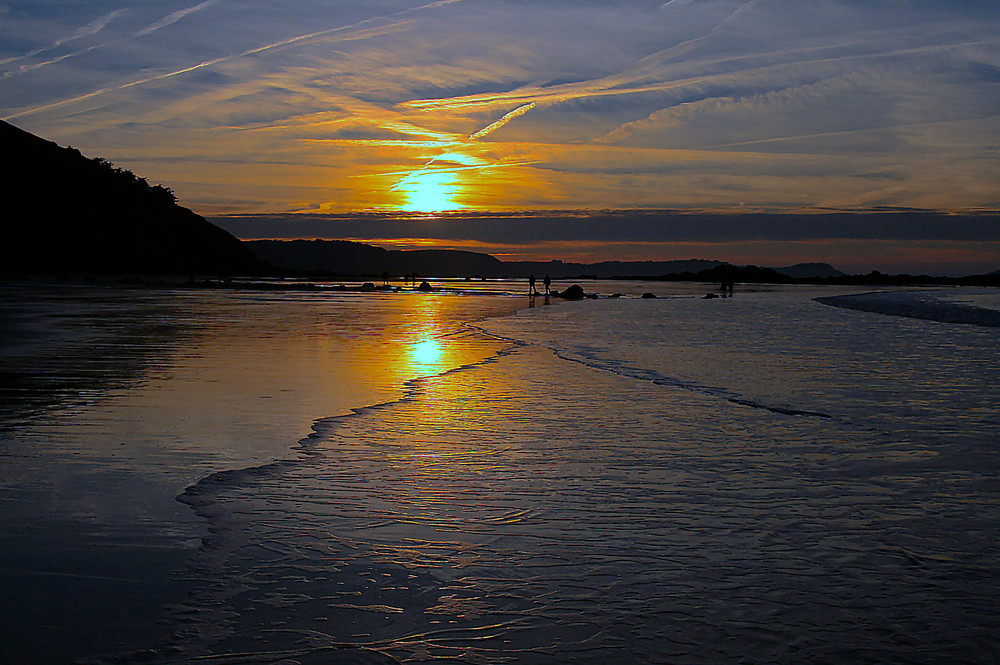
<point>547,282</point>
<point>531,285</point>
<point>727,286</point>
<point>385,278</point>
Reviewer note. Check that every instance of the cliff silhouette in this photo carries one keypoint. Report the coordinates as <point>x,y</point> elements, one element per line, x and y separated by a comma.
<point>63,213</point>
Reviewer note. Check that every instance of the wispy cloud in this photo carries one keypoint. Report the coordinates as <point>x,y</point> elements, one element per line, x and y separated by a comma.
<point>690,44</point>
<point>687,103</point>
<point>900,241</point>
<point>343,32</point>
<point>507,117</point>
<point>173,17</point>
<point>90,29</point>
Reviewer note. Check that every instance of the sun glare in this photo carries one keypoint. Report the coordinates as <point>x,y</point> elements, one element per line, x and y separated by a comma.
<point>430,191</point>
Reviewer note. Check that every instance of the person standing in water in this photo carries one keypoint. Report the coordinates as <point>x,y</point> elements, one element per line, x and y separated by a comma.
<point>531,285</point>
<point>547,282</point>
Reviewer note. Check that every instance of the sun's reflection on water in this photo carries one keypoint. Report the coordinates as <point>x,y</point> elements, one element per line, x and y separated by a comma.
<point>427,352</point>
<point>432,342</point>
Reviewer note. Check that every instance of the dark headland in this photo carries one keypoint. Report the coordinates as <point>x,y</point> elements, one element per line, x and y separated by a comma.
<point>62,213</point>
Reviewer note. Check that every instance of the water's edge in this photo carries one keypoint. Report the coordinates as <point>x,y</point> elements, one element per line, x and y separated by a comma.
<point>201,498</point>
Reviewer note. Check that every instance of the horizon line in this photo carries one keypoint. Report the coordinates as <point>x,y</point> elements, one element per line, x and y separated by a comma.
<point>591,212</point>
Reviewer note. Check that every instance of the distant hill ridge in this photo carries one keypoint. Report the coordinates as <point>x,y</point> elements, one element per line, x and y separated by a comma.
<point>345,258</point>
<point>63,213</point>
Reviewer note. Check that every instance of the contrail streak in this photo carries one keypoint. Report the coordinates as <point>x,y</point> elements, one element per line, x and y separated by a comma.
<point>489,129</point>
<point>446,169</point>
<point>427,168</point>
<point>91,28</point>
<point>209,63</point>
<point>331,31</point>
<point>102,91</point>
<point>614,85</point>
<point>846,132</point>
<point>172,18</point>
<point>684,47</point>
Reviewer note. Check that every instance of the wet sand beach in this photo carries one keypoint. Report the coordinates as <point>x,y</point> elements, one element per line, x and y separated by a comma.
<point>114,400</point>
<point>368,478</point>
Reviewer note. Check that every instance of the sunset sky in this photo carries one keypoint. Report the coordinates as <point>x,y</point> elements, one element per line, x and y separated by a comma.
<point>265,115</point>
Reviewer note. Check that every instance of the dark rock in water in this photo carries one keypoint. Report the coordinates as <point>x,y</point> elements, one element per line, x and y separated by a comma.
<point>616,295</point>
<point>368,286</point>
<point>647,295</point>
<point>709,296</point>
<point>425,286</point>
<point>574,292</point>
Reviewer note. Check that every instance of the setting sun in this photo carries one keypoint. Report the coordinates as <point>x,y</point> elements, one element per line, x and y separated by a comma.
<point>430,191</point>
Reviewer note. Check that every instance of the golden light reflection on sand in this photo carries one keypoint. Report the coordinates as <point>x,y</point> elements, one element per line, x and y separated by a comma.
<point>336,351</point>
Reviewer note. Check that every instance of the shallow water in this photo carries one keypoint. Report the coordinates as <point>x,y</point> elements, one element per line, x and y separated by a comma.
<point>758,479</point>
<point>764,479</point>
<point>114,400</point>
<point>781,350</point>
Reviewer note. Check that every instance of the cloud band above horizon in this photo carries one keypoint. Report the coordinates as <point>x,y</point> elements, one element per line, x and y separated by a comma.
<point>898,241</point>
